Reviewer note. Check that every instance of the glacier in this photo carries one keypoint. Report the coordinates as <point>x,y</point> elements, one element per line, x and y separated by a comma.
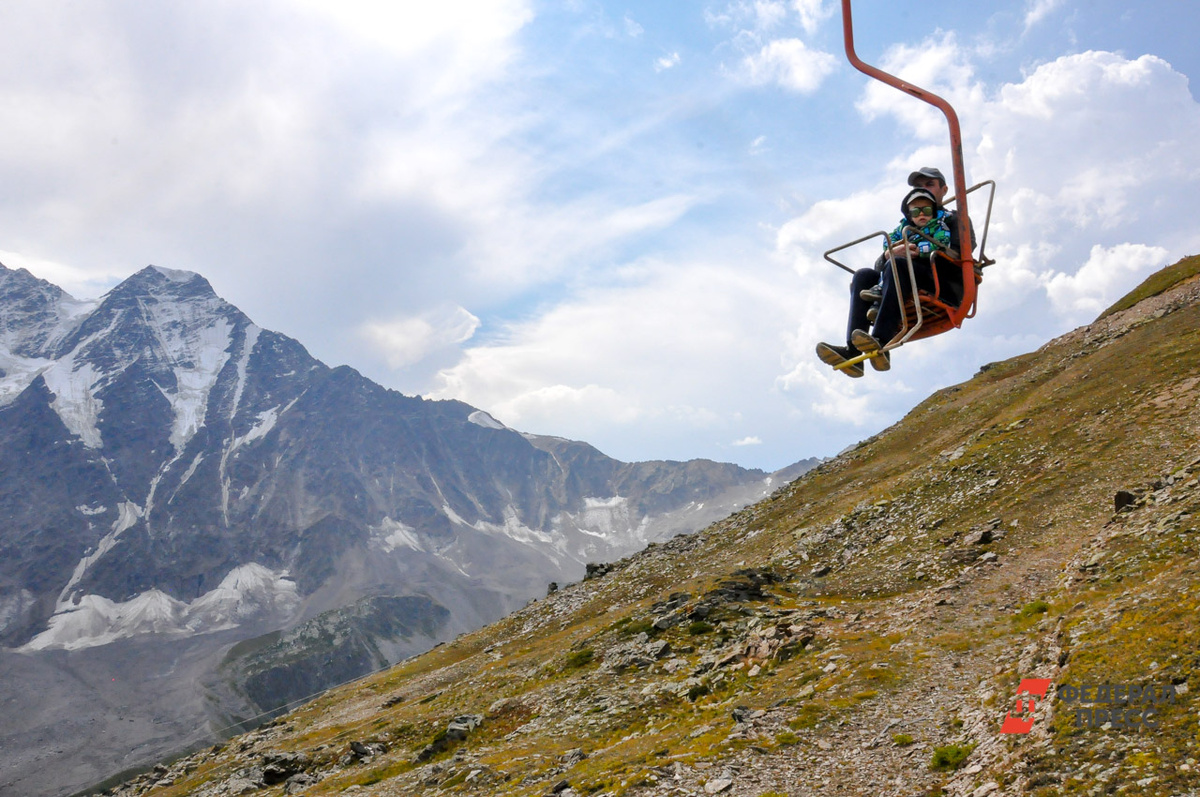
<point>248,592</point>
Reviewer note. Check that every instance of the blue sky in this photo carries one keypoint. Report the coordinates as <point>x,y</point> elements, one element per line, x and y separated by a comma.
<point>599,220</point>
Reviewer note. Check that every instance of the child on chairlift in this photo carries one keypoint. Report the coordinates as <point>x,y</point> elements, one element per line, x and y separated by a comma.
<point>922,213</point>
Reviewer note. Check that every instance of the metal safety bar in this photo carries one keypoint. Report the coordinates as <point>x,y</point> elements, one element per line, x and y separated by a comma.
<point>983,259</point>
<point>855,242</point>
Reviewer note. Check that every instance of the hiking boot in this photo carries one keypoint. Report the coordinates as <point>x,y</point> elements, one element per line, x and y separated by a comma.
<point>872,294</point>
<point>836,355</point>
<point>864,342</point>
<point>882,361</point>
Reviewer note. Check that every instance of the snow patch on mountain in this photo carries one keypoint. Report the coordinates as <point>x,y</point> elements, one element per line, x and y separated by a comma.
<point>513,528</point>
<point>205,350</point>
<point>266,422</point>
<point>73,385</point>
<point>18,374</point>
<point>247,592</point>
<point>607,517</point>
<point>392,534</point>
<point>248,344</point>
<point>128,513</point>
<point>481,418</point>
<point>176,275</point>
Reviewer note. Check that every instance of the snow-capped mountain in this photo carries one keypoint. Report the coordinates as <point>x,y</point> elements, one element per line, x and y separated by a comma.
<point>174,448</point>
<point>173,471</point>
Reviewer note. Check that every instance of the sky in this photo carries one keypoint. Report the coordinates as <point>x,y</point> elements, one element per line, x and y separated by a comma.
<point>599,220</point>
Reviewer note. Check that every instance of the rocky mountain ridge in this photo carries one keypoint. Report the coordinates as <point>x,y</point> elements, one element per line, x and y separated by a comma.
<point>178,480</point>
<point>1020,547</point>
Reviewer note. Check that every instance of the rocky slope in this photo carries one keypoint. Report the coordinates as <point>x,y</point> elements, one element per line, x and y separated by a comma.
<point>864,630</point>
<point>178,480</point>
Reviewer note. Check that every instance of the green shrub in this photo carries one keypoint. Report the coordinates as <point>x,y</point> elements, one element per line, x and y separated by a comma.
<point>950,757</point>
<point>902,739</point>
<point>580,658</point>
<point>699,627</point>
<point>635,627</point>
<point>1033,608</point>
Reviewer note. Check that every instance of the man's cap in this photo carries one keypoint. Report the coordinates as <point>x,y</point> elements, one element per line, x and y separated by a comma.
<point>926,171</point>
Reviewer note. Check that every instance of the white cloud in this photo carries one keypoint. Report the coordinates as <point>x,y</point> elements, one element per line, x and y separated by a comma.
<point>938,65</point>
<point>80,283</point>
<point>760,16</point>
<point>1105,277</point>
<point>1037,10</point>
<point>827,395</point>
<point>404,341</point>
<point>812,13</point>
<point>788,63</point>
<point>615,362</point>
<point>455,45</point>
<point>748,441</point>
<point>632,28</point>
<point>666,62</point>
<point>755,15</point>
<point>769,14</point>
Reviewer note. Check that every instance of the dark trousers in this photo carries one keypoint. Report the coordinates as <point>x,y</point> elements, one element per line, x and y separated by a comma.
<point>863,278</point>
<point>890,313</point>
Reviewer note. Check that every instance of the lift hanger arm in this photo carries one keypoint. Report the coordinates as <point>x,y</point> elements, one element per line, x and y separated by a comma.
<point>960,175</point>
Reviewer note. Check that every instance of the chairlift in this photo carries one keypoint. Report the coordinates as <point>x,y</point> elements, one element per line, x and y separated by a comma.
<point>956,274</point>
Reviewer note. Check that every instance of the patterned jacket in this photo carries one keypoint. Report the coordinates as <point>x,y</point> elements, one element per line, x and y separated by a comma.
<point>938,229</point>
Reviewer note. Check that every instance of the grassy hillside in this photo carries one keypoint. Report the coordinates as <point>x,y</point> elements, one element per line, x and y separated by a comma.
<point>863,631</point>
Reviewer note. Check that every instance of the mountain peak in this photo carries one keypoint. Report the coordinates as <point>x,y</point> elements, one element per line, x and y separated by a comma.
<point>167,282</point>
<point>175,275</point>
<point>34,313</point>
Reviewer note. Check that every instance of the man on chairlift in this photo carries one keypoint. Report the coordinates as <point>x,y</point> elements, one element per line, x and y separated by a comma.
<point>872,293</point>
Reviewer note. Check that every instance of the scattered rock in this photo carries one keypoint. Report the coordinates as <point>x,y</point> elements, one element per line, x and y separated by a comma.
<point>573,757</point>
<point>298,783</point>
<point>279,767</point>
<point>978,537</point>
<point>460,727</point>
<point>718,786</point>
<point>456,731</point>
<point>667,622</point>
<point>596,570</point>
